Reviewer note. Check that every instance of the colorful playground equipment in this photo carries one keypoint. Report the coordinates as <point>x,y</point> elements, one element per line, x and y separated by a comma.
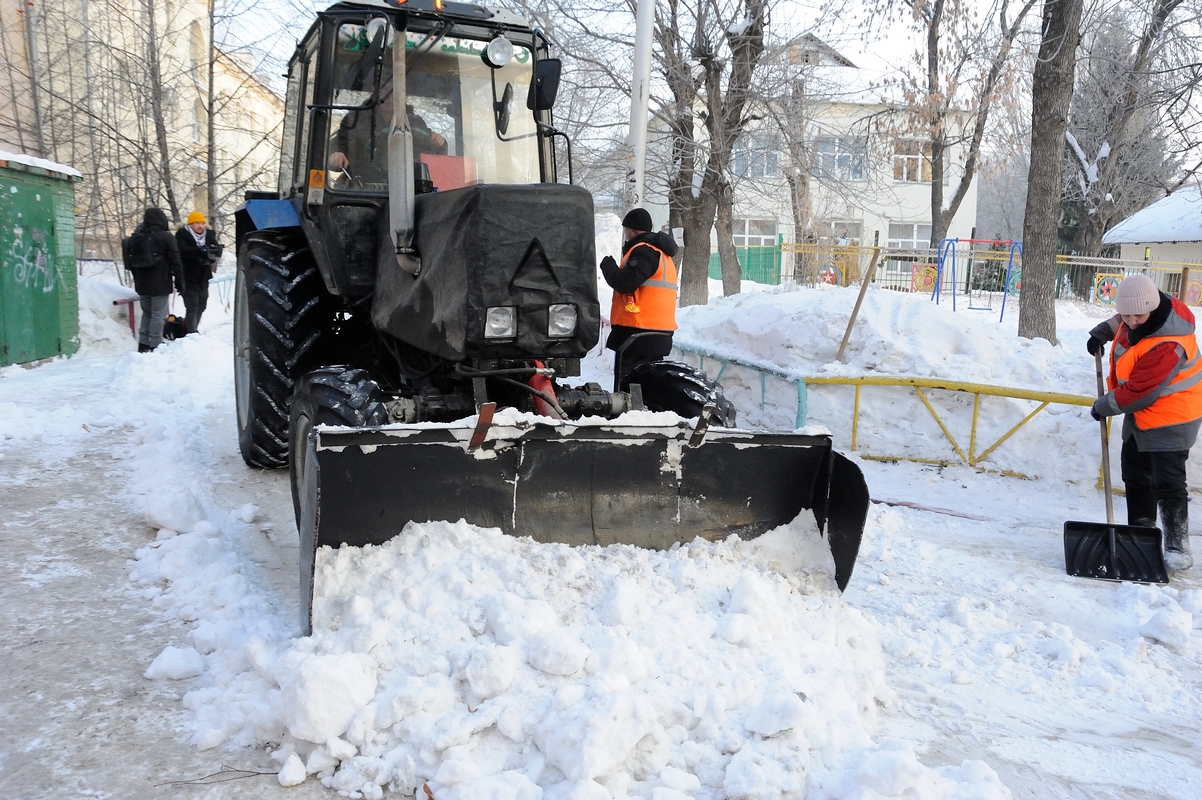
<point>983,277</point>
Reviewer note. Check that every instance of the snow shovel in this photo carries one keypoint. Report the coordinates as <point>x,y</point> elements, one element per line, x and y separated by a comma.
<point>1113,552</point>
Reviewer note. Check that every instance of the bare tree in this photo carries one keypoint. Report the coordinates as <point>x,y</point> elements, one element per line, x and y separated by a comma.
<point>1051,92</point>
<point>797,114</point>
<point>708,56</point>
<point>1005,162</point>
<point>128,103</point>
<point>1114,131</point>
<point>961,50</point>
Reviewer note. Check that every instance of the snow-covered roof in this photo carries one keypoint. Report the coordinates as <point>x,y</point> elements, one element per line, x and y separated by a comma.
<point>1176,218</point>
<point>19,160</point>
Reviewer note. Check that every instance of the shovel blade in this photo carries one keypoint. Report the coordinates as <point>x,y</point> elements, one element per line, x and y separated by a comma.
<point>1133,553</point>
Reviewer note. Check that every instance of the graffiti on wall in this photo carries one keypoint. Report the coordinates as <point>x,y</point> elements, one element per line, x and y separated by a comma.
<point>29,261</point>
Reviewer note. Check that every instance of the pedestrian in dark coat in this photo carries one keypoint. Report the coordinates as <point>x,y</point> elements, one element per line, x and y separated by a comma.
<point>199,252</point>
<point>154,284</point>
<point>1156,382</point>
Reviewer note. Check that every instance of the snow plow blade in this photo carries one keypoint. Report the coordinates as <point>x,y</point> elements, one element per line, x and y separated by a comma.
<point>576,484</point>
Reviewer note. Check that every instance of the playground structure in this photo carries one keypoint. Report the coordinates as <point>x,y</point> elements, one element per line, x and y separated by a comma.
<point>984,275</point>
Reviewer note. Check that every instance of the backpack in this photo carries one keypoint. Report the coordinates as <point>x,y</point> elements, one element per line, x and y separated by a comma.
<point>143,251</point>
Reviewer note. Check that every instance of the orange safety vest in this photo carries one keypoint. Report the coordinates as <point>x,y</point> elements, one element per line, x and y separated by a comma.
<point>653,305</point>
<point>1181,400</point>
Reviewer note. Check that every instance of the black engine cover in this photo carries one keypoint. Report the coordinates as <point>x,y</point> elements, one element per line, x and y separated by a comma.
<point>527,247</point>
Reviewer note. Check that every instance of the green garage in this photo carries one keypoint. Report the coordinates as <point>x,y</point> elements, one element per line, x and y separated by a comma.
<point>39,305</point>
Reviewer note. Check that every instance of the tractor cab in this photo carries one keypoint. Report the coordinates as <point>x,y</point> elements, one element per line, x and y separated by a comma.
<point>459,110</point>
<point>473,107</point>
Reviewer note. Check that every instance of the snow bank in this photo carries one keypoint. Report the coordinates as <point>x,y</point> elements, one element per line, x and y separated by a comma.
<point>482,665</point>
<point>901,334</point>
<point>104,324</point>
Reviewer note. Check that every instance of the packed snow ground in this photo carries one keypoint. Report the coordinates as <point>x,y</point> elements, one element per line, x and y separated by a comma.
<point>960,663</point>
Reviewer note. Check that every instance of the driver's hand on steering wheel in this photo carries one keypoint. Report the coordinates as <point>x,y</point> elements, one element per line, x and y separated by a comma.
<point>338,160</point>
<point>438,142</point>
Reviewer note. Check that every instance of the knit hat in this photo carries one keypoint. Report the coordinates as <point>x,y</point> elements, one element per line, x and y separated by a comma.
<point>637,220</point>
<point>195,216</point>
<point>1137,295</point>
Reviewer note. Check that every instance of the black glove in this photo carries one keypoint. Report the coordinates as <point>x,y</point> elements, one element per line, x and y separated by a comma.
<point>1095,345</point>
<point>608,263</point>
<point>1093,412</point>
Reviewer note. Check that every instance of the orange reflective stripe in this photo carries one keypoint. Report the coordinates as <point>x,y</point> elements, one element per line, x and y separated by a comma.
<point>653,305</point>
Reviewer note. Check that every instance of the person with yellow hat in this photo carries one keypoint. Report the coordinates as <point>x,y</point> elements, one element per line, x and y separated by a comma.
<point>199,251</point>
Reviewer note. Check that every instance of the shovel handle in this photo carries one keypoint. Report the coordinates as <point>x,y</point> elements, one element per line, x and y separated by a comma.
<point>1105,445</point>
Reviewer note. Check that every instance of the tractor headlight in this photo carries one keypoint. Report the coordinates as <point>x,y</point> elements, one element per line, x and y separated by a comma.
<point>561,320</point>
<point>498,52</point>
<point>501,322</point>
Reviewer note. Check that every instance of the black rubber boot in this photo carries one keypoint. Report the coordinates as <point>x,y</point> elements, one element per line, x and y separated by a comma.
<point>144,348</point>
<point>1175,516</point>
<point>1141,506</point>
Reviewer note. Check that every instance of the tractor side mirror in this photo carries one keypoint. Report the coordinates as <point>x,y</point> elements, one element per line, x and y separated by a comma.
<point>502,109</point>
<point>545,85</point>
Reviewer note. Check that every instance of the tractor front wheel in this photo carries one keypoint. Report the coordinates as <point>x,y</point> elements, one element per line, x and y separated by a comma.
<point>672,386</point>
<point>281,316</point>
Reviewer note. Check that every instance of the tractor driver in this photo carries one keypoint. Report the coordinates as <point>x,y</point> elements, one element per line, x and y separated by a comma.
<point>361,143</point>
<point>643,314</point>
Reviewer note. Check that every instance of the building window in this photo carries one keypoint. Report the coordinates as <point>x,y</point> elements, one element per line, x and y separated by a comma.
<point>804,54</point>
<point>756,155</point>
<point>909,235</point>
<point>839,231</point>
<point>840,158</point>
<point>755,232</point>
<point>911,161</point>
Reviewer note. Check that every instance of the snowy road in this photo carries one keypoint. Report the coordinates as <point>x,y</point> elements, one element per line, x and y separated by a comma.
<point>77,718</point>
<point>991,655</point>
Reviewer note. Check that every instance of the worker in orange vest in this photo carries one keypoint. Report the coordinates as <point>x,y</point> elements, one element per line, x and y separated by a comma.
<point>645,289</point>
<point>1156,381</point>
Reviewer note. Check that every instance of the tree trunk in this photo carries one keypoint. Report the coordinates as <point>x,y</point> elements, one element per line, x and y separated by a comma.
<point>732,272</point>
<point>1051,91</point>
<point>802,202</point>
<point>938,137</point>
<point>940,221</point>
<point>210,123</point>
<point>158,112</point>
<point>694,272</point>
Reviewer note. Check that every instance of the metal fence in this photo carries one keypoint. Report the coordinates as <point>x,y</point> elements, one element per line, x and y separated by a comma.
<point>982,275</point>
<point>974,453</point>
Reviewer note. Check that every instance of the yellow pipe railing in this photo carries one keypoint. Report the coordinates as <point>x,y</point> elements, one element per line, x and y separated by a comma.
<point>977,389</point>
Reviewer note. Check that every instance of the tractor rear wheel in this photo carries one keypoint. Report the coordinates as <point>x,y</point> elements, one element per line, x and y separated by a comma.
<point>282,313</point>
<point>672,386</point>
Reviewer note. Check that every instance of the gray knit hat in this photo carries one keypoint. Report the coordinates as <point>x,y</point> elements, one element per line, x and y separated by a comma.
<point>1137,295</point>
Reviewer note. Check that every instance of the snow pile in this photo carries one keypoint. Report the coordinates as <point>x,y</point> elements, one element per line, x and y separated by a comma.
<point>487,666</point>
<point>103,325</point>
<point>41,163</point>
<point>798,333</point>
<point>484,665</point>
